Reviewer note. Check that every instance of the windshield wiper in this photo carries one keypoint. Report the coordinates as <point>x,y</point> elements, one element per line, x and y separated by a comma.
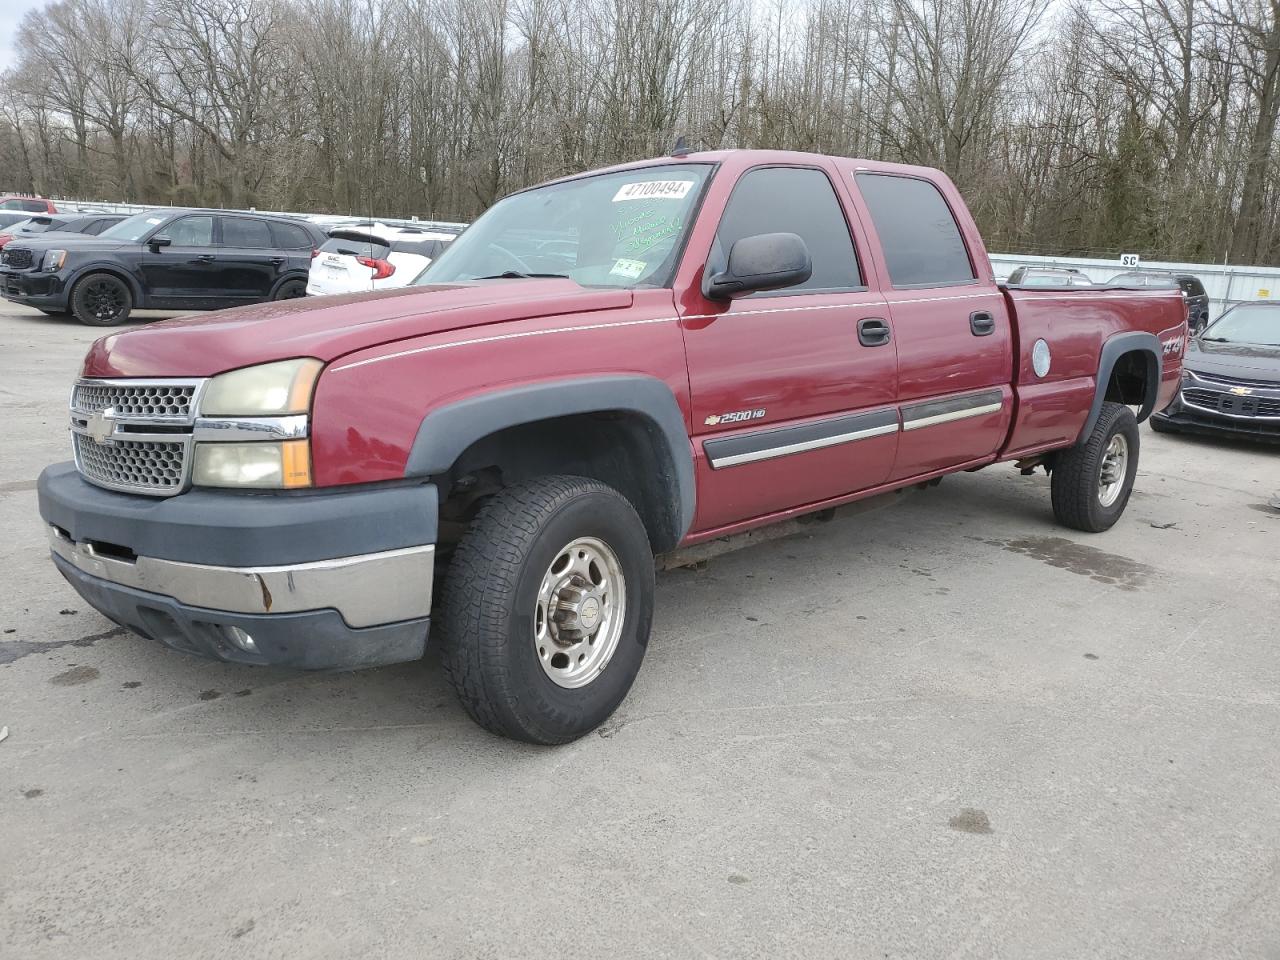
<point>517,275</point>
<point>1215,339</point>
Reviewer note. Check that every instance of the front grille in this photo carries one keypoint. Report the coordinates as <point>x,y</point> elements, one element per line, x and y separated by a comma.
<point>1235,381</point>
<point>148,466</point>
<point>146,400</point>
<point>135,435</point>
<point>1232,404</point>
<point>19,259</point>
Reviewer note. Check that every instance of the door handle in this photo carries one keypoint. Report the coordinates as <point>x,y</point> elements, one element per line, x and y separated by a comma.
<point>873,332</point>
<point>982,323</point>
<point>277,260</point>
<point>204,258</point>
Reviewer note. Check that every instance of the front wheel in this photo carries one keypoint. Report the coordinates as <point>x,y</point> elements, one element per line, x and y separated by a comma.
<point>101,300</point>
<point>1092,481</point>
<point>547,607</point>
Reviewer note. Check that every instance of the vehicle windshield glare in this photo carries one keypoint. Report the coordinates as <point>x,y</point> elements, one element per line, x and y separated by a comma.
<point>1256,323</point>
<point>133,229</point>
<point>621,229</point>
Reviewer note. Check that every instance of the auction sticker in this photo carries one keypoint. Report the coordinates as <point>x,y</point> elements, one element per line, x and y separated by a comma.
<point>628,268</point>
<point>654,190</point>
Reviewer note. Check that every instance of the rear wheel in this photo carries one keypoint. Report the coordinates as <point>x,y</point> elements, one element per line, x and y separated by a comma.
<point>1092,481</point>
<point>101,300</point>
<point>291,290</point>
<point>547,608</point>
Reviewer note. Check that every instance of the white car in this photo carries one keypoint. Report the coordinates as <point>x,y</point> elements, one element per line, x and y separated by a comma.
<point>375,256</point>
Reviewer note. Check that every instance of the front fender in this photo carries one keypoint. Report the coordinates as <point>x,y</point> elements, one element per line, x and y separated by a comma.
<point>449,430</point>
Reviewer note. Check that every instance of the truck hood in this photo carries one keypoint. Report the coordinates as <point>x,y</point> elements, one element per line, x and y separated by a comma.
<point>1246,361</point>
<point>329,327</point>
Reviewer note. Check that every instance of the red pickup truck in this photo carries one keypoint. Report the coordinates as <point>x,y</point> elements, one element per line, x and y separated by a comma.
<point>600,369</point>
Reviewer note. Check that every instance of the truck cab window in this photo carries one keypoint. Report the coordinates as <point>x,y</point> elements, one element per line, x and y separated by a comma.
<point>791,200</point>
<point>918,233</point>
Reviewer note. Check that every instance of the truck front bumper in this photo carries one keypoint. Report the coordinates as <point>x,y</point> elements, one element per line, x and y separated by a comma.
<point>322,580</point>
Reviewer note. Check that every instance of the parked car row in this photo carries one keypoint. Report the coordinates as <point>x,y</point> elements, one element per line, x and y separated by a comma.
<point>170,259</point>
<point>99,267</point>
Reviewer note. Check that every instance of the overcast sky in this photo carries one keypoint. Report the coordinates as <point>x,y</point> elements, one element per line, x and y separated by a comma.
<point>11,12</point>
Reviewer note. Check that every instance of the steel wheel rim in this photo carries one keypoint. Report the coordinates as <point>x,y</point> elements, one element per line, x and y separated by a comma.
<point>579,612</point>
<point>1115,465</point>
<point>105,300</point>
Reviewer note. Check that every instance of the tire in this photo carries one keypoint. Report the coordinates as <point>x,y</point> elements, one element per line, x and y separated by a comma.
<point>101,300</point>
<point>291,290</point>
<point>501,647</point>
<point>1082,499</point>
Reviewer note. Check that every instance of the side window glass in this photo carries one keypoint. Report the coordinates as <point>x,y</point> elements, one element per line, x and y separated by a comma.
<point>921,240</point>
<point>245,232</point>
<point>290,237</point>
<point>791,200</point>
<point>190,232</point>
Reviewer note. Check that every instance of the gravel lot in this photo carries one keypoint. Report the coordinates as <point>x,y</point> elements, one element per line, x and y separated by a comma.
<point>941,728</point>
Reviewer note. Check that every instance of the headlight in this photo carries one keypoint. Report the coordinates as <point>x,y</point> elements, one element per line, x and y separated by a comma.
<point>54,259</point>
<point>268,389</point>
<point>285,464</point>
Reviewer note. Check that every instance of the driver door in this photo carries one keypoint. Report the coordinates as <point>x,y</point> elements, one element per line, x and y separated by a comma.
<point>792,405</point>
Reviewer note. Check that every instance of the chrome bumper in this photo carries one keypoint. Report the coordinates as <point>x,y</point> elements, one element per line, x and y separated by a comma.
<point>366,590</point>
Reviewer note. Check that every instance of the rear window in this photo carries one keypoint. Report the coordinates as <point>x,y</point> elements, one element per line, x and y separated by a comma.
<point>422,248</point>
<point>17,203</point>
<point>360,245</point>
<point>1191,287</point>
<point>290,236</point>
<point>921,240</point>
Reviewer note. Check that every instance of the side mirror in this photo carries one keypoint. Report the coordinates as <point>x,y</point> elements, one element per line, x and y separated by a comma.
<point>155,243</point>
<point>767,261</point>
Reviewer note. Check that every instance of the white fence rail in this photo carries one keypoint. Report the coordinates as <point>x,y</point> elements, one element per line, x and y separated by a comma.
<point>1226,285</point>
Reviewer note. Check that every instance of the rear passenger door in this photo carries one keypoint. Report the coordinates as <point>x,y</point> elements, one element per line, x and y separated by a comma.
<point>789,408</point>
<point>955,345</point>
<point>250,265</point>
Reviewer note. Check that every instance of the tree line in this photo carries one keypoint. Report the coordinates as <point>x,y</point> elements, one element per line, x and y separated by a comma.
<point>1088,127</point>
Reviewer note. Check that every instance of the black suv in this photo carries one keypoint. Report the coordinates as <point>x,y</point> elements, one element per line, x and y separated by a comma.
<point>163,260</point>
<point>1197,298</point>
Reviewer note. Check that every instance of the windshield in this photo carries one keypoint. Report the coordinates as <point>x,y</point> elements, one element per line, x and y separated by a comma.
<point>133,229</point>
<point>1257,323</point>
<point>614,230</point>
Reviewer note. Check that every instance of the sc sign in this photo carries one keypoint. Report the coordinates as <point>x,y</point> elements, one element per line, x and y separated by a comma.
<point>1129,259</point>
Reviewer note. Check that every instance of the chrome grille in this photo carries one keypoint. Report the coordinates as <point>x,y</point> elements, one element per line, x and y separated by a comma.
<point>147,466</point>
<point>135,435</point>
<point>145,400</point>
<point>18,259</point>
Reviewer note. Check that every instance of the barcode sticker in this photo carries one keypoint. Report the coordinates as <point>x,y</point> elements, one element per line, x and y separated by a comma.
<point>654,190</point>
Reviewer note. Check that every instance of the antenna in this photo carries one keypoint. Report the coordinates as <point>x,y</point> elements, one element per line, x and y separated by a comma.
<point>681,149</point>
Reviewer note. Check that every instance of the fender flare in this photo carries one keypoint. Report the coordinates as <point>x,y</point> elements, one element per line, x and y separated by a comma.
<point>1149,346</point>
<point>449,430</point>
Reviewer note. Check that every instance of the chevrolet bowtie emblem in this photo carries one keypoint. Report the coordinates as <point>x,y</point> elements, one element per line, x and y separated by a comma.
<point>102,425</point>
<point>1242,391</point>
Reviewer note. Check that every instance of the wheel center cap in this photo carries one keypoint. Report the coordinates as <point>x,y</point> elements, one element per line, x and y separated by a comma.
<point>589,614</point>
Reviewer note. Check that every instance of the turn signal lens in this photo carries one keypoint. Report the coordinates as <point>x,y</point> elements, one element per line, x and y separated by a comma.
<point>282,465</point>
